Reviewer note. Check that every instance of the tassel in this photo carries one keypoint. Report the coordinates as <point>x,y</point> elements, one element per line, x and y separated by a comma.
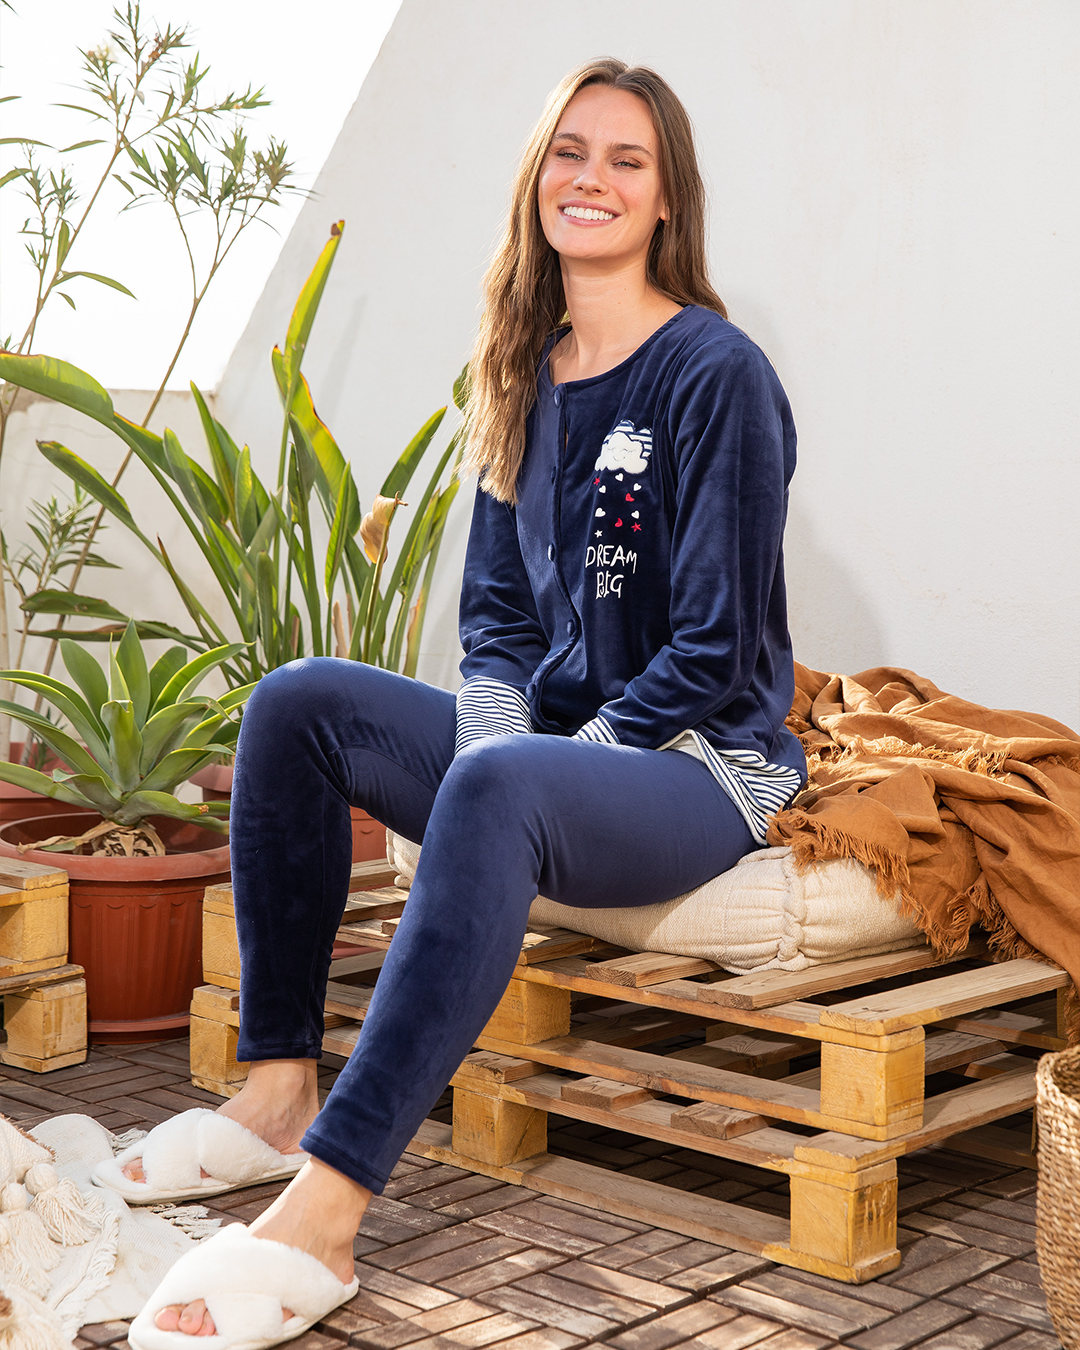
<point>28,1324</point>
<point>29,1245</point>
<point>67,1217</point>
<point>18,1266</point>
<point>22,1151</point>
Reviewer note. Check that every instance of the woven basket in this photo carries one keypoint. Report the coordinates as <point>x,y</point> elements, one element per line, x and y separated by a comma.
<point>1058,1236</point>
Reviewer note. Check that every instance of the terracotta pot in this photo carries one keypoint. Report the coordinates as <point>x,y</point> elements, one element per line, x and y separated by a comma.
<point>135,923</point>
<point>368,835</point>
<point>17,802</point>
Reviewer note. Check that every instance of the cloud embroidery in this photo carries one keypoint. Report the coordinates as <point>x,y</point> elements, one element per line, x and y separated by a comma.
<point>626,448</point>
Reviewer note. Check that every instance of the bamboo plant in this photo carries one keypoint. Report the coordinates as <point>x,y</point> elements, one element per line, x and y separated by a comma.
<point>287,598</point>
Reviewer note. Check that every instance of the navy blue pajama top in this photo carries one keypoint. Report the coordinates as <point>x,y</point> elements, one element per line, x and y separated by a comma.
<point>635,594</point>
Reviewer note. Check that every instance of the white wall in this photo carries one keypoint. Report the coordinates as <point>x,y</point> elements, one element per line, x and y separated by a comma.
<point>894,221</point>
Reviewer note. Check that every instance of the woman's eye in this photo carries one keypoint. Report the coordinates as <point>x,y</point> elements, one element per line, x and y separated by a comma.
<point>627,164</point>
<point>567,154</point>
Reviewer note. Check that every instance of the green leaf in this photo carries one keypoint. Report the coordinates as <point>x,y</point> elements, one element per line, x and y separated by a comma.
<point>68,701</point>
<point>65,747</point>
<point>247,511</point>
<point>336,545</point>
<point>307,304</point>
<point>188,676</point>
<point>11,175</point>
<point>59,381</point>
<point>218,445</point>
<point>202,493</point>
<point>236,697</point>
<point>64,296</point>
<point>86,673</point>
<point>166,730</point>
<point>269,627</point>
<point>68,602</point>
<point>398,478</point>
<point>98,790</point>
<point>176,767</point>
<point>126,742</point>
<point>22,140</point>
<point>118,690</point>
<point>142,804</point>
<point>96,276</point>
<point>131,659</point>
<point>63,244</point>
<point>80,145</point>
<point>25,777</point>
<point>88,477</point>
<point>163,669</point>
<point>462,389</point>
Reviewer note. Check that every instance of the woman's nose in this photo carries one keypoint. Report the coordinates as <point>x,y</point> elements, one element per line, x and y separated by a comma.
<point>589,179</point>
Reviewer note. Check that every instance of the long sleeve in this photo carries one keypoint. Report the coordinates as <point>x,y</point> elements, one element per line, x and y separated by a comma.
<point>730,428</point>
<point>498,622</point>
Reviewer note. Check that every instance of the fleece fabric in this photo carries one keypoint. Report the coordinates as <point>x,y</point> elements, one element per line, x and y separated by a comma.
<point>589,825</point>
<point>638,582</point>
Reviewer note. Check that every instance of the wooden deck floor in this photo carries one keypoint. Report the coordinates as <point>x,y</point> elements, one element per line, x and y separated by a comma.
<point>452,1261</point>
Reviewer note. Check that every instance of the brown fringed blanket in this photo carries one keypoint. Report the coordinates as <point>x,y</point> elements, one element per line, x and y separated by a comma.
<point>973,813</point>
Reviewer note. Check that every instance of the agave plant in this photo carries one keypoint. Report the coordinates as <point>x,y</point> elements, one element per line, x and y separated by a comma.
<point>142,732</point>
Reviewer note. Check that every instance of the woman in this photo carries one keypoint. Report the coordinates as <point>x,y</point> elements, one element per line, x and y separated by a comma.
<point>623,595</point>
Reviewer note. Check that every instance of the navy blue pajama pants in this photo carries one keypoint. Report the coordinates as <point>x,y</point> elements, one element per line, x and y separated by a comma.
<point>584,824</point>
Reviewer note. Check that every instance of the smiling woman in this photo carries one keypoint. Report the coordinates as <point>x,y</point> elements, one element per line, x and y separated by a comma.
<point>619,737</point>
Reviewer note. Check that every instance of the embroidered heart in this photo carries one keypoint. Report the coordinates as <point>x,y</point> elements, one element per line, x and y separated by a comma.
<point>600,513</point>
<point>629,498</point>
<point>603,489</point>
<point>635,514</point>
<point>618,478</point>
<point>637,487</point>
<point>618,523</point>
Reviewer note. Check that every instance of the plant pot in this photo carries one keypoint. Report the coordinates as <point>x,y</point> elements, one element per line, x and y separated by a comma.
<point>135,923</point>
<point>368,834</point>
<point>17,802</point>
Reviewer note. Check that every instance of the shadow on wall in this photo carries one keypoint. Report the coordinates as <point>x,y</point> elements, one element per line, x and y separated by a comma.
<point>833,622</point>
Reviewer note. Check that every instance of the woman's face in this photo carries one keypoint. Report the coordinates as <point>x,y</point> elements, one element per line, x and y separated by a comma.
<point>600,195</point>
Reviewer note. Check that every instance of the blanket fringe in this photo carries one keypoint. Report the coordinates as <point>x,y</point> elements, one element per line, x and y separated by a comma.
<point>814,841</point>
<point>190,1219</point>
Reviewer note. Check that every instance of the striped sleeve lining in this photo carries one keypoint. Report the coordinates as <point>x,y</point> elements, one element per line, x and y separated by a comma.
<point>597,730</point>
<point>487,707</point>
<point>758,789</point>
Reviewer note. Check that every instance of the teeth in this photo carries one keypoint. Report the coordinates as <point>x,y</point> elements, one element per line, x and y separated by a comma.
<point>587,213</point>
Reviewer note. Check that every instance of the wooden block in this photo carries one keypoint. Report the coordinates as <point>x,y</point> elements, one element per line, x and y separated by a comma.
<point>954,1049</point>
<point>999,1145</point>
<point>20,982</point>
<point>947,996</point>
<point>872,1087</point>
<point>13,895</point>
<point>744,1051</point>
<point>220,952</point>
<point>645,968</point>
<point>46,1024</point>
<point>372,875</point>
<point>213,1054</point>
<point>530,1013</point>
<point>603,1092</point>
<point>216,1004</point>
<point>35,931</point>
<point>997,1064</point>
<point>1034,1025</point>
<point>771,987</point>
<point>847,1227</point>
<point>545,944</point>
<point>495,1131</point>
<point>484,1071</point>
<point>642,1027</point>
<point>218,900</point>
<point>29,876</point>
<point>717,1122</point>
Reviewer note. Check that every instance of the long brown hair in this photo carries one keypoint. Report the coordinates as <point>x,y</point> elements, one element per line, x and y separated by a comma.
<point>523,286</point>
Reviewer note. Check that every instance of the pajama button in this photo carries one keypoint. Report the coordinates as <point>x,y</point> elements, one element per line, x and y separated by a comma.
<point>569,627</point>
<point>551,552</point>
<point>558,397</point>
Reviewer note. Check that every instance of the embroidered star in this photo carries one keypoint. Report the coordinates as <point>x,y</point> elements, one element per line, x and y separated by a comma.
<point>599,533</point>
<point>595,481</point>
<point>637,527</point>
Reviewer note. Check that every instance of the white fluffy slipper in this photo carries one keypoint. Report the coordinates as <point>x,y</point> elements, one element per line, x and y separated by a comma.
<point>246,1283</point>
<point>175,1153</point>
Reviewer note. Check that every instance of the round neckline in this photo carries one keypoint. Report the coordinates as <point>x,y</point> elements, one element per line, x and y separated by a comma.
<point>545,366</point>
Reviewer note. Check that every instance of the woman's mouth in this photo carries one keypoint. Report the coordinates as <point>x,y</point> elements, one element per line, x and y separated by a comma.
<point>589,213</point>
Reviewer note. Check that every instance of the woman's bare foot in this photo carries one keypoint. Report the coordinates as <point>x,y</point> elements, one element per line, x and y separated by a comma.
<point>278,1102</point>
<point>319,1212</point>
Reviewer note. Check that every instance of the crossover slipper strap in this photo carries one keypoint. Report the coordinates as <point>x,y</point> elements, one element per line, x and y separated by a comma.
<point>246,1283</point>
<point>176,1152</point>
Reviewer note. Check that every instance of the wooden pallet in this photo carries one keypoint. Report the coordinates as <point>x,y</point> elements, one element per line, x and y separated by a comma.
<point>569,1039</point>
<point>44,997</point>
<point>215,1017</point>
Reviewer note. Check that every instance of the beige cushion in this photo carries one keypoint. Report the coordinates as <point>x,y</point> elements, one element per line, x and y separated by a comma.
<point>760,915</point>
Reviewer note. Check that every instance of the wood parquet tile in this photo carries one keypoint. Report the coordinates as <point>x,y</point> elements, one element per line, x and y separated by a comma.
<point>451,1261</point>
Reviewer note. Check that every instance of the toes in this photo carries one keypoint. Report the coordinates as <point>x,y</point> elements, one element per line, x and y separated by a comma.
<point>168,1319</point>
<point>193,1319</point>
<point>134,1171</point>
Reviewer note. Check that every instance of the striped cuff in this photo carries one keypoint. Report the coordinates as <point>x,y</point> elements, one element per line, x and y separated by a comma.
<point>597,730</point>
<point>487,707</point>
